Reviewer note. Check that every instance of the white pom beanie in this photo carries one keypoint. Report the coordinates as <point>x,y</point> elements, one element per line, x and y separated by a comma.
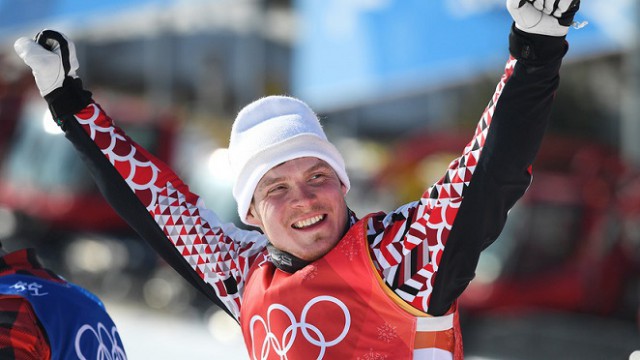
<point>270,131</point>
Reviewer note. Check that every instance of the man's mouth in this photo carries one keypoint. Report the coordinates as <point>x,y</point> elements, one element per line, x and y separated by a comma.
<point>308,222</point>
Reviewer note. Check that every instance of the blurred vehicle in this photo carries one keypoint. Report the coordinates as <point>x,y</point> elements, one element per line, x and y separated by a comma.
<point>628,211</point>
<point>44,182</point>
<point>49,200</point>
<point>561,247</point>
<point>548,334</point>
<point>14,85</point>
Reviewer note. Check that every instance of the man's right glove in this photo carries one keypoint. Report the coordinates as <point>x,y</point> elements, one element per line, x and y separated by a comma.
<point>544,17</point>
<point>51,57</point>
<point>53,62</point>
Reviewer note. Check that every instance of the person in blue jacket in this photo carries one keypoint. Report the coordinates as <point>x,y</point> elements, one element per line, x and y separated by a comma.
<point>43,316</point>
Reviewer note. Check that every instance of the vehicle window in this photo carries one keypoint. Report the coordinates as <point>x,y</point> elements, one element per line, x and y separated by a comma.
<point>537,237</point>
<point>40,157</point>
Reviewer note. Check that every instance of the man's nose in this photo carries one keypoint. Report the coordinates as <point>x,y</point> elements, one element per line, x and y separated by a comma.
<point>303,195</point>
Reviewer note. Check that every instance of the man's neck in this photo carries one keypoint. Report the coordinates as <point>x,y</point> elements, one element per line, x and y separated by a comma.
<point>285,261</point>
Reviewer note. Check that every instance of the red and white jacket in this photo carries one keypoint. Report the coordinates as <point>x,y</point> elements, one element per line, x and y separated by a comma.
<point>424,252</point>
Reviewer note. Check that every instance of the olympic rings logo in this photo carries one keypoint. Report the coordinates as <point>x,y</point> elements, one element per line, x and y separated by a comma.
<point>310,332</point>
<point>108,346</point>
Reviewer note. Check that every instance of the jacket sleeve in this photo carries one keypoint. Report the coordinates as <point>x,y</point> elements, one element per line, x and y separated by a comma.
<point>213,256</point>
<point>518,120</point>
<point>429,250</point>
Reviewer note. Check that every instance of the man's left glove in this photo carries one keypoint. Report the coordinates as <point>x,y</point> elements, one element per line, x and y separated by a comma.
<point>543,17</point>
<point>53,62</point>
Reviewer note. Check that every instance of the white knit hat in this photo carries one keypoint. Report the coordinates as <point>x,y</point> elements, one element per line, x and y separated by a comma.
<point>270,131</point>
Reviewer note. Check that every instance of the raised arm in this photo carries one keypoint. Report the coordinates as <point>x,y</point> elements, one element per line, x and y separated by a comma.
<point>213,256</point>
<point>428,250</point>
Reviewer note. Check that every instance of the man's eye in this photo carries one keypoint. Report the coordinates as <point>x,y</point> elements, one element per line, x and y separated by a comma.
<point>276,188</point>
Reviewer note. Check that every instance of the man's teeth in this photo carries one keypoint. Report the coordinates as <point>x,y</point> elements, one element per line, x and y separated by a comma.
<point>308,222</point>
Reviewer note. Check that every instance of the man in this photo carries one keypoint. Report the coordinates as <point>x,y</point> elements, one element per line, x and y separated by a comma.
<point>317,281</point>
<point>42,316</point>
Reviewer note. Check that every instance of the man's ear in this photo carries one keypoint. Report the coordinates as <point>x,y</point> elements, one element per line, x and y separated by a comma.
<point>344,189</point>
<point>252,217</point>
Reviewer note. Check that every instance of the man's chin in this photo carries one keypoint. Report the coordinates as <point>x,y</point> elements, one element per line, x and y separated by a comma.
<point>323,248</point>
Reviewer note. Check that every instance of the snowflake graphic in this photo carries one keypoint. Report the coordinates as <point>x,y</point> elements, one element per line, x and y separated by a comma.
<point>309,272</point>
<point>350,248</point>
<point>372,355</point>
<point>387,332</point>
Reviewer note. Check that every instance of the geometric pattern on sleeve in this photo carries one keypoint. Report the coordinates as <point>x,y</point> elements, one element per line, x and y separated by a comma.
<point>220,258</point>
<point>407,244</point>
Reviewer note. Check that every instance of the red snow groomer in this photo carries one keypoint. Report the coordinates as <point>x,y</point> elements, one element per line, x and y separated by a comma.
<point>561,247</point>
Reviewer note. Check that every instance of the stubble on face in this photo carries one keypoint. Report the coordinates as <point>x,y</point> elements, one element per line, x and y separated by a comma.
<point>276,215</point>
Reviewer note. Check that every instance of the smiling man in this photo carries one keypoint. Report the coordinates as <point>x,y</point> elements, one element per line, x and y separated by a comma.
<point>291,181</point>
<point>301,204</point>
<point>317,281</point>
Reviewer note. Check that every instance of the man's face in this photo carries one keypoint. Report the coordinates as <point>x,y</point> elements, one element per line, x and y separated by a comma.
<point>300,207</point>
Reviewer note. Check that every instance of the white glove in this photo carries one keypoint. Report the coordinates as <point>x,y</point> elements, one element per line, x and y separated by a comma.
<point>51,57</point>
<point>544,17</point>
